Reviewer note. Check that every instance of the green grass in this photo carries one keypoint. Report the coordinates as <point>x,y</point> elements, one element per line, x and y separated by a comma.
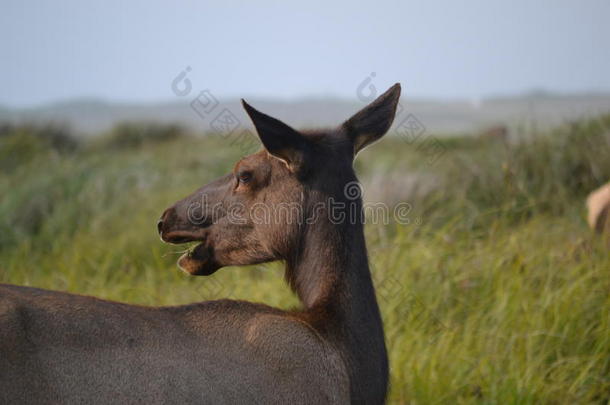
<point>494,293</point>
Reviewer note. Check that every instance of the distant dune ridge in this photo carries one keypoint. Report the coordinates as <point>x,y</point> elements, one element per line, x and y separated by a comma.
<point>543,110</point>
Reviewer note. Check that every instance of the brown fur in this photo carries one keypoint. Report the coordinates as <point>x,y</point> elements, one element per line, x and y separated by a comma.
<point>63,348</point>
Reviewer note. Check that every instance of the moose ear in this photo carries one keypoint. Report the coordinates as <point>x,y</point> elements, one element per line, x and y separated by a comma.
<point>374,120</point>
<point>279,139</point>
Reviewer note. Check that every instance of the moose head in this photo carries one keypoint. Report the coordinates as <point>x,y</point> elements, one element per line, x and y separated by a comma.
<point>262,209</point>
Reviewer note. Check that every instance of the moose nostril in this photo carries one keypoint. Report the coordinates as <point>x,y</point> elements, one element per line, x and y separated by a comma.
<point>160,226</point>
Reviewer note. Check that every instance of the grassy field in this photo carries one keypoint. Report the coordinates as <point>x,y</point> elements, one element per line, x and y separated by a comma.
<point>495,292</point>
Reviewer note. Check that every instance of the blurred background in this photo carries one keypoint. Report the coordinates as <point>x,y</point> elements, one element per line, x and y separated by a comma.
<point>462,66</point>
<point>492,286</point>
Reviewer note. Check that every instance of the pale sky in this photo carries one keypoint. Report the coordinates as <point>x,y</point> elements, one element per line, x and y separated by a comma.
<point>131,50</point>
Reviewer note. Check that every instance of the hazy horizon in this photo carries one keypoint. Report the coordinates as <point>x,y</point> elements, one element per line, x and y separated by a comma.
<point>131,52</point>
<point>304,98</point>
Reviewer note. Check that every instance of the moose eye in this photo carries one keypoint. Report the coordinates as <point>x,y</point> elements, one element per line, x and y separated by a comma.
<point>244,177</point>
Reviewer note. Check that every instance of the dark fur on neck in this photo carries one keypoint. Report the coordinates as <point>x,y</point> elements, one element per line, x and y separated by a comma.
<point>329,271</point>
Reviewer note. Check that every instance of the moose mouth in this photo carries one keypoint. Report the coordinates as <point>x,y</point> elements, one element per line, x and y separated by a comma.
<point>198,260</point>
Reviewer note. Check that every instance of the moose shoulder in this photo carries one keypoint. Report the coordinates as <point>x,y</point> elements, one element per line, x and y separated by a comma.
<point>63,348</point>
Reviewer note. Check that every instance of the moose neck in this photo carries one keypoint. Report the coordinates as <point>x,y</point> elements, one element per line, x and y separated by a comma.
<point>331,276</point>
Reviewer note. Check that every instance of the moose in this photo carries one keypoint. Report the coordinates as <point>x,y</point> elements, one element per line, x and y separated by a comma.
<point>58,347</point>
